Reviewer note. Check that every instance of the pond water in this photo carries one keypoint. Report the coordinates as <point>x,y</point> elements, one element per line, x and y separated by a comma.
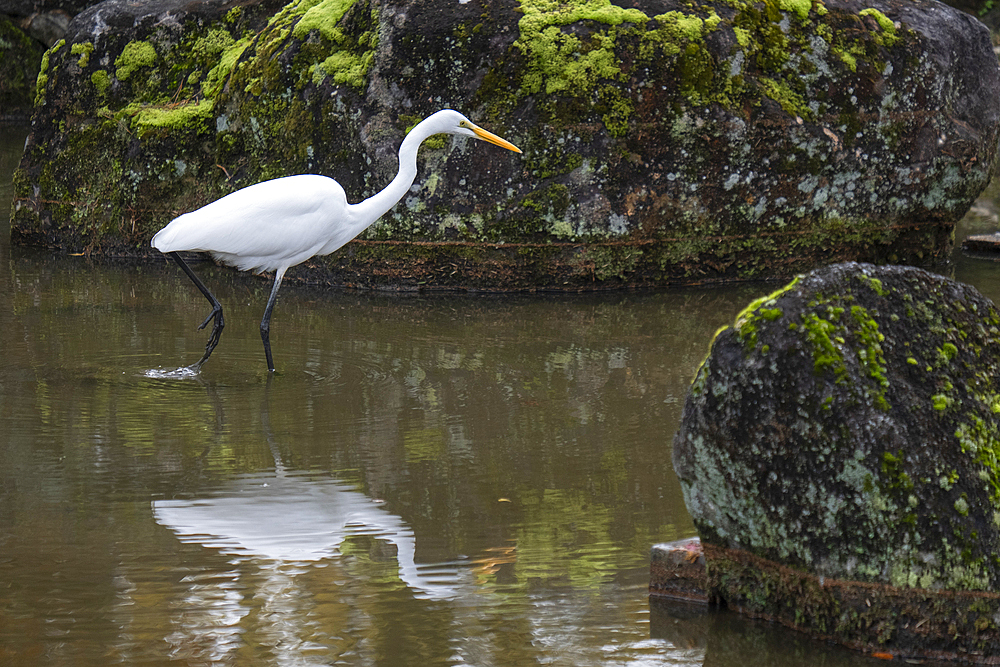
<point>426,480</point>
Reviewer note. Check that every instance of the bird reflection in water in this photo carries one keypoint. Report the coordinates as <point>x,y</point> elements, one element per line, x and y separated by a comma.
<point>286,517</point>
<point>289,524</point>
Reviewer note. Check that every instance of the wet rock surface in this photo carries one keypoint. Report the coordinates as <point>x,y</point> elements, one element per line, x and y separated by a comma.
<point>662,142</point>
<point>677,571</point>
<point>983,243</point>
<point>839,453</point>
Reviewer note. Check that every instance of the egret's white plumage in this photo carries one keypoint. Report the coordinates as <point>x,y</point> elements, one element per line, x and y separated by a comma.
<point>268,226</point>
<point>277,224</point>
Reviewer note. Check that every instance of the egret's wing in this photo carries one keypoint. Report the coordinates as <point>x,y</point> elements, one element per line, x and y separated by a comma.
<point>263,226</point>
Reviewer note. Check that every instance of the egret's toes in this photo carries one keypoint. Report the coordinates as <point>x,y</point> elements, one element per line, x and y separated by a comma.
<point>211,316</point>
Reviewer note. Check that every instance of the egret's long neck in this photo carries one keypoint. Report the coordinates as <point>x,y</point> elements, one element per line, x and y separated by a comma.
<point>371,209</point>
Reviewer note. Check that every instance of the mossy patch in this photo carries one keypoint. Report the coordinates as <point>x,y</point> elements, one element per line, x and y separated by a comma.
<point>83,50</point>
<point>561,62</point>
<point>334,52</point>
<point>760,309</point>
<point>174,117</point>
<point>134,56</point>
<point>101,80</point>
<point>888,37</point>
<point>43,74</point>
<point>351,56</point>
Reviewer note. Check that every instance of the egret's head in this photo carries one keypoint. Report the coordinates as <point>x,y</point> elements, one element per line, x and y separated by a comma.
<point>451,122</point>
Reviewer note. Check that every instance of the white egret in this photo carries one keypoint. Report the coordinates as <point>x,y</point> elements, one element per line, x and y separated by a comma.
<point>277,224</point>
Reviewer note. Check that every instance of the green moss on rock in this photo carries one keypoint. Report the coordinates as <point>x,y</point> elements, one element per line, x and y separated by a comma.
<point>192,115</point>
<point>135,56</point>
<point>43,72</point>
<point>82,49</point>
<point>101,80</point>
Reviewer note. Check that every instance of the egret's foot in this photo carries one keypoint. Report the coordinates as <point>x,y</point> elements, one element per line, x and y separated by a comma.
<point>213,338</point>
<point>215,314</point>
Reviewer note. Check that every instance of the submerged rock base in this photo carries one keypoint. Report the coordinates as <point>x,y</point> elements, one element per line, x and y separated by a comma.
<point>983,243</point>
<point>408,266</point>
<point>677,571</point>
<point>885,621</point>
<point>556,266</point>
<point>890,622</point>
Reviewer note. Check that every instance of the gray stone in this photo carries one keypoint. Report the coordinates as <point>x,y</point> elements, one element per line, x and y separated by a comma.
<point>21,9</point>
<point>47,27</point>
<point>842,440</point>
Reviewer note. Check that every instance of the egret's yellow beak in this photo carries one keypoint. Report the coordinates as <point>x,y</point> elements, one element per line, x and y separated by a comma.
<point>494,139</point>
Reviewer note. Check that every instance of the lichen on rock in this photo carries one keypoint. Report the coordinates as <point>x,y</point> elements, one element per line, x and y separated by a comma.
<point>848,427</point>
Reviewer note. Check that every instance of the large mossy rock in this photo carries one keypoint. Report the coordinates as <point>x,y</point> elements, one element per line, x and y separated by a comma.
<point>663,142</point>
<point>839,453</point>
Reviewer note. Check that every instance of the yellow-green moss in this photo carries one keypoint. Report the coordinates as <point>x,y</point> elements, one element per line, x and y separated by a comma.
<point>323,16</point>
<point>345,68</point>
<point>889,36</point>
<point>43,73</point>
<point>588,66</point>
<point>760,309</point>
<point>135,55</point>
<point>173,117</point>
<point>217,76</point>
<point>344,58</point>
<point>82,49</point>
<point>101,80</point>
<point>781,92</point>
<point>799,7</point>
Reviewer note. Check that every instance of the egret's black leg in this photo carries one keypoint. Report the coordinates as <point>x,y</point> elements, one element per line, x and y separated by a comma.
<point>265,324</point>
<point>216,313</point>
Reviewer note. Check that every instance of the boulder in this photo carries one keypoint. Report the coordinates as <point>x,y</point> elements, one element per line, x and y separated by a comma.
<point>839,453</point>
<point>21,21</point>
<point>982,245</point>
<point>47,28</point>
<point>663,142</point>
